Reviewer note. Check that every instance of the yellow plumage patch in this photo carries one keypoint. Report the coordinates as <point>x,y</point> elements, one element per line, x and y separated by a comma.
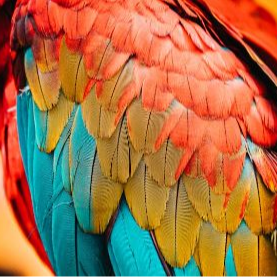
<point>118,158</point>
<point>259,211</point>
<point>57,118</point>
<point>245,251</point>
<point>179,230</point>
<point>164,163</point>
<point>99,122</point>
<point>106,195</point>
<point>73,74</point>
<point>45,87</point>
<point>212,250</point>
<point>210,206</point>
<point>146,198</point>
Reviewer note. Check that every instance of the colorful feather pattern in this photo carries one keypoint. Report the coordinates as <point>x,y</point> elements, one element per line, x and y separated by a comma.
<point>150,127</point>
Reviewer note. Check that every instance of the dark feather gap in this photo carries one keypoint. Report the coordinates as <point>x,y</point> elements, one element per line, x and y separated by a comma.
<point>167,268</point>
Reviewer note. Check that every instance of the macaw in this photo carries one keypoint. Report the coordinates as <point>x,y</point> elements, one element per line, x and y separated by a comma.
<point>148,134</point>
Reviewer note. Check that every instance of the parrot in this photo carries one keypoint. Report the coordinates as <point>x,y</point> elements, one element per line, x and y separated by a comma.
<point>148,134</point>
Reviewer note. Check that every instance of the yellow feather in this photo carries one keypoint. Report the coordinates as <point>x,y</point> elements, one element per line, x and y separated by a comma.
<point>164,163</point>
<point>196,256</point>
<point>212,250</point>
<point>208,204</point>
<point>146,198</point>
<point>178,233</point>
<point>259,212</point>
<point>111,90</point>
<point>245,251</point>
<point>236,206</point>
<point>73,74</point>
<point>45,87</point>
<point>106,196</point>
<point>56,121</point>
<point>117,156</point>
<point>99,122</point>
<point>267,258</point>
<point>146,125</point>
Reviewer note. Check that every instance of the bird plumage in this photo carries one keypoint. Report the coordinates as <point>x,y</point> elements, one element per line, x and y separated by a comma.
<point>151,125</point>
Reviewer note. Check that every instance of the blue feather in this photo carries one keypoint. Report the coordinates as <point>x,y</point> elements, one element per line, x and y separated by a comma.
<point>131,249</point>
<point>230,267</point>
<point>83,153</point>
<point>22,125</point>
<point>38,168</point>
<point>76,253</point>
<point>62,151</point>
<point>41,120</point>
<point>69,249</point>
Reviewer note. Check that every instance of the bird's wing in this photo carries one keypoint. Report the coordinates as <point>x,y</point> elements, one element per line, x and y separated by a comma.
<point>148,128</point>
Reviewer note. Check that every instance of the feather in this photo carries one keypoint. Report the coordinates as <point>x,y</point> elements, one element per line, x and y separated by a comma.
<point>259,133</point>
<point>259,211</point>
<point>178,233</point>
<point>95,196</point>
<point>62,152</point>
<point>265,164</point>
<point>117,156</point>
<point>237,202</point>
<point>76,253</point>
<point>34,161</point>
<point>146,198</point>
<point>22,105</point>
<point>82,152</point>
<point>245,251</point>
<point>45,87</point>
<point>73,74</point>
<point>49,125</point>
<point>46,53</point>
<point>98,121</point>
<point>110,91</point>
<point>230,268</point>
<point>268,112</point>
<point>131,249</point>
<point>191,269</point>
<point>212,250</point>
<point>210,206</point>
<point>267,259</point>
<point>164,163</point>
<point>42,195</point>
<point>145,126</point>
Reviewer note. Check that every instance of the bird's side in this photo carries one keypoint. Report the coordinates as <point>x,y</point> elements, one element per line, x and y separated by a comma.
<point>148,133</point>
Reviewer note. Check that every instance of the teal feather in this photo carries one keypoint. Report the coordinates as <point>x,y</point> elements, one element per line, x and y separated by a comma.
<point>76,253</point>
<point>62,151</point>
<point>42,193</point>
<point>38,168</point>
<point>191,269</point>
<point>114,262</point>
<point>65,167</point>
<point>83,153</point>
<point>22,125</point>
<point>41,120</point>
<point>230,267</point>
<point>131,249</point>
<point>69,249</point>
<point>30,144</point>
<point>92,254</point>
